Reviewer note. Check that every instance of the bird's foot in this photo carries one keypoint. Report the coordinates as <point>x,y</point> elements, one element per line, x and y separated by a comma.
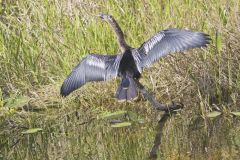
<point>173,107</point>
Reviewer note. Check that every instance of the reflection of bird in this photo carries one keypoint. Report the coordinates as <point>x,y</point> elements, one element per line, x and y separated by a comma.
<point>130,62</point>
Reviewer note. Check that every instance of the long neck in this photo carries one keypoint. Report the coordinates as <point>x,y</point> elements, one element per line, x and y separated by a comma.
<point>121,41</point>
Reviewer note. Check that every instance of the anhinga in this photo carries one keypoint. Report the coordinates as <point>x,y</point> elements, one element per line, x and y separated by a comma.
<point>129,63</point>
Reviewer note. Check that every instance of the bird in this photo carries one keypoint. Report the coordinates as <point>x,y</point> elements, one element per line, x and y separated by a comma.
<point>129,63</point>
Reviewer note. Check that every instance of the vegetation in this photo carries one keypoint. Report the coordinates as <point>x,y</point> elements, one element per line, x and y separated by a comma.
<point>41,41</point>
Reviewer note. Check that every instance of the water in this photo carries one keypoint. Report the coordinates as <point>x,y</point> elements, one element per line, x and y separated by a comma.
<point>83,136</point>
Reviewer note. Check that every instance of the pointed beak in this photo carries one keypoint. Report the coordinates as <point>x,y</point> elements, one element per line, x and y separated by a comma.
<point>101,16</point>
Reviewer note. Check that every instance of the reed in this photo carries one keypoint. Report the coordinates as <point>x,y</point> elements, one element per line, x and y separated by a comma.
<point>41,41</point>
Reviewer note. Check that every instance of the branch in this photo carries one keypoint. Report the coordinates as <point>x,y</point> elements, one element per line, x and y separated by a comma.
<point>156,105</point>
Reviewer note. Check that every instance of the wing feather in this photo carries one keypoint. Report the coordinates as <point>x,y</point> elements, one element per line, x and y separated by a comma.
<point>92,68</point>
<point>167,41</point>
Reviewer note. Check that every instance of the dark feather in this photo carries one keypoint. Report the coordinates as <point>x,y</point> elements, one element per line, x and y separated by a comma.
<point>165,42</point>
<point>92,68</point>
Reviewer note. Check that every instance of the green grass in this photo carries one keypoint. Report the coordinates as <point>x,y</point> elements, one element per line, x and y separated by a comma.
<point>41,41</point>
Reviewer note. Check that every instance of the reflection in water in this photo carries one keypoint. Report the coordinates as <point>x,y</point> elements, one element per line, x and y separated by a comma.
<point>176,137</point>
<point>157,141</point>
<point>216,138</point>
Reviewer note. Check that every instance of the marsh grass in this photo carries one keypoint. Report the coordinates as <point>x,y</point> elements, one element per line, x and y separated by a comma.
<point>41,41</point>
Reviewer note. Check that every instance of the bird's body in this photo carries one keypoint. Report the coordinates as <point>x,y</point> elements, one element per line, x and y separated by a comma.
<point>129,63</point>
<point>128,72</point>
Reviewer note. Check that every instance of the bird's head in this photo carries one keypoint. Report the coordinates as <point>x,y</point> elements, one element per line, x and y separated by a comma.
<point>106,17</point>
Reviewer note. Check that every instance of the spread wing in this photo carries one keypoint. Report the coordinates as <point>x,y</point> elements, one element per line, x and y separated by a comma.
<point>167,41</point>
<point>92,68</point>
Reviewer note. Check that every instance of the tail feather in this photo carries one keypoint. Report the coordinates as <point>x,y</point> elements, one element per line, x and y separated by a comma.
<point>121,93</point>
<point>132,90</point>
<point>127,93</point>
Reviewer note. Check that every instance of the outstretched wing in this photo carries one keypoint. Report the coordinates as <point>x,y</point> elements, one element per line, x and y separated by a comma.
<point>92,68</point>
<point>167,41</point>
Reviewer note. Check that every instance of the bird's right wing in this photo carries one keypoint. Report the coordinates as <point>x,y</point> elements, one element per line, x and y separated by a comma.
<point>167,41</point>
<point>94,67</point>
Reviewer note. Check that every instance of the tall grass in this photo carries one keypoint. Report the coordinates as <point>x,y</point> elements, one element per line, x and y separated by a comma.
<point>41,41</point>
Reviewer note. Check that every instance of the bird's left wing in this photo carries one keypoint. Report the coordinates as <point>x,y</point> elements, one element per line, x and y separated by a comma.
<point>94,67</point>
<point>167,41</point>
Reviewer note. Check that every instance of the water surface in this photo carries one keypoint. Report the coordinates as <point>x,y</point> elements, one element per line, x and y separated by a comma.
<point>77,136</point>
